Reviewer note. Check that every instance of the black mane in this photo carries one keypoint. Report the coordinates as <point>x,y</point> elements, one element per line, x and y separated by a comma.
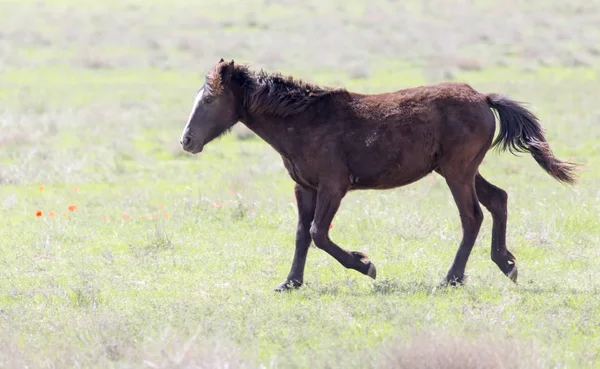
<point>277,95</point>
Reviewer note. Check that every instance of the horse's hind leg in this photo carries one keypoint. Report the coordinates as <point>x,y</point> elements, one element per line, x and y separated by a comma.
<point>471,216</point>
<point>495,200</point>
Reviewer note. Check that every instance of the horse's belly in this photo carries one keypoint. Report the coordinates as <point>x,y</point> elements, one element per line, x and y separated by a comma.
<point>381,172</point>
<point>388,179</point>
<point>392,156</point>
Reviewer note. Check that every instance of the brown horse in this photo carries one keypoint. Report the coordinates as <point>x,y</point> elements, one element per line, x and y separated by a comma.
<point>333,141</point>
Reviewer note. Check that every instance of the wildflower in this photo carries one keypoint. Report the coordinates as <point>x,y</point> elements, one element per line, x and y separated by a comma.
<point>105,218</point>
<point>64,214</point>
<point>430,179</point>
<point>41,187</point>
<point>232,192</point>
<point>75,189</point>
<point>38,213</point>
<point>52,214</point>
<point>331,226</point>
<point>72,207</point>
<point>161,207</point>
<point>154,217</point>
<point>126,216</point>
<point>216,204</point>
<point>165,215</point>
<point>141,218</point>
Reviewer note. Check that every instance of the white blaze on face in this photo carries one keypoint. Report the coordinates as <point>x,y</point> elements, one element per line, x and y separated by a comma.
<point>197,100</point>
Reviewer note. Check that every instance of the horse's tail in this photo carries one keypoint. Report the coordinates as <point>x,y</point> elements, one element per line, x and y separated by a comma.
<point>520,131</point>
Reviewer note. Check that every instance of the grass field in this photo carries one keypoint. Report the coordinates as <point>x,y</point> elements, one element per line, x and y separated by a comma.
<point>146,257</point>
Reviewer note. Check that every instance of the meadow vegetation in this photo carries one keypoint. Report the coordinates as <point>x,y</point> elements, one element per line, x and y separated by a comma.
<point>143,256</point>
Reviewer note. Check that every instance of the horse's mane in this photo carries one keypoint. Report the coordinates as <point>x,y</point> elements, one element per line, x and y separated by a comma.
<point>275,94</point>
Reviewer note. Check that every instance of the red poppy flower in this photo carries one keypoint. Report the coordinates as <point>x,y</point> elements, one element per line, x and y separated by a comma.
<point>38,213</point>
<point>52,214</point>
<point>72,207</point>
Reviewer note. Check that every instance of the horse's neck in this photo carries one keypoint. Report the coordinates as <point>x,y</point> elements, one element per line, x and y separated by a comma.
<point>274,131</point>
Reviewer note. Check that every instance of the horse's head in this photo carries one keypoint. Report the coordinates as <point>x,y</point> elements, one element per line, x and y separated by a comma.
<point>215,109</point>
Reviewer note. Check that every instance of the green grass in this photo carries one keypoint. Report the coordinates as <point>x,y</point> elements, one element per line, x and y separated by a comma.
<point>169,260</point>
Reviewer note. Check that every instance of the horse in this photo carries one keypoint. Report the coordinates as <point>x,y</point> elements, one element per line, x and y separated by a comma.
<point>333,141</point>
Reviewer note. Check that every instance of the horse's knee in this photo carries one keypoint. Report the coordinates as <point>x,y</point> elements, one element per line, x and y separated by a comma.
<point>318,235</point>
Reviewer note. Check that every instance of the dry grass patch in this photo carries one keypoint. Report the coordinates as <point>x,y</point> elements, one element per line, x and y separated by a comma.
<point>447,350</point>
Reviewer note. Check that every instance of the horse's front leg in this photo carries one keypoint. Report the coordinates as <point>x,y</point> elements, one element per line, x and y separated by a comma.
<point>306,200</point>
<point>328,202</point>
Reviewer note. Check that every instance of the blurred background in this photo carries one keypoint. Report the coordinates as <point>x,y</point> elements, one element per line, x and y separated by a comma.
<point>73,71</point>
<point>116,246</point>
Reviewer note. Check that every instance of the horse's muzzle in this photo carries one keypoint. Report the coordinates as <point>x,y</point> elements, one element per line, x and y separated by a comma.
<point>188,145</point>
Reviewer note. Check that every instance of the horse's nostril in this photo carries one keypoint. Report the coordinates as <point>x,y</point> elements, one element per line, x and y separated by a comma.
<point>186,141</point>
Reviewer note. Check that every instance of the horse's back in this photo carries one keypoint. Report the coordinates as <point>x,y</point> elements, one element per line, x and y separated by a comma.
<point>398,137</point>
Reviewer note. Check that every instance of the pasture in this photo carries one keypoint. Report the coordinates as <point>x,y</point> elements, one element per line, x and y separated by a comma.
<point>119,250</point>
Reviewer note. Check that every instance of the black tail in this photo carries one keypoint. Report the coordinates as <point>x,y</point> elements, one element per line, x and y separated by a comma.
<point>520,131</point>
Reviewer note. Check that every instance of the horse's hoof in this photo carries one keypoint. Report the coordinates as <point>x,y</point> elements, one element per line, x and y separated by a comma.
<point>288,285</point>
<point>513,273</point>
<point>372,272</point>
<point>453,281</point>
<point>364,259</point>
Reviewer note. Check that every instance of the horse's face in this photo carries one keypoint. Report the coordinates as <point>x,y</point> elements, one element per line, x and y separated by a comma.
<point>214,111</point>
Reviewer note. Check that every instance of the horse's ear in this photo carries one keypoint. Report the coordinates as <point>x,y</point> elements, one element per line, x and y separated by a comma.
<point>221,61</point>
<point>227,72</point>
